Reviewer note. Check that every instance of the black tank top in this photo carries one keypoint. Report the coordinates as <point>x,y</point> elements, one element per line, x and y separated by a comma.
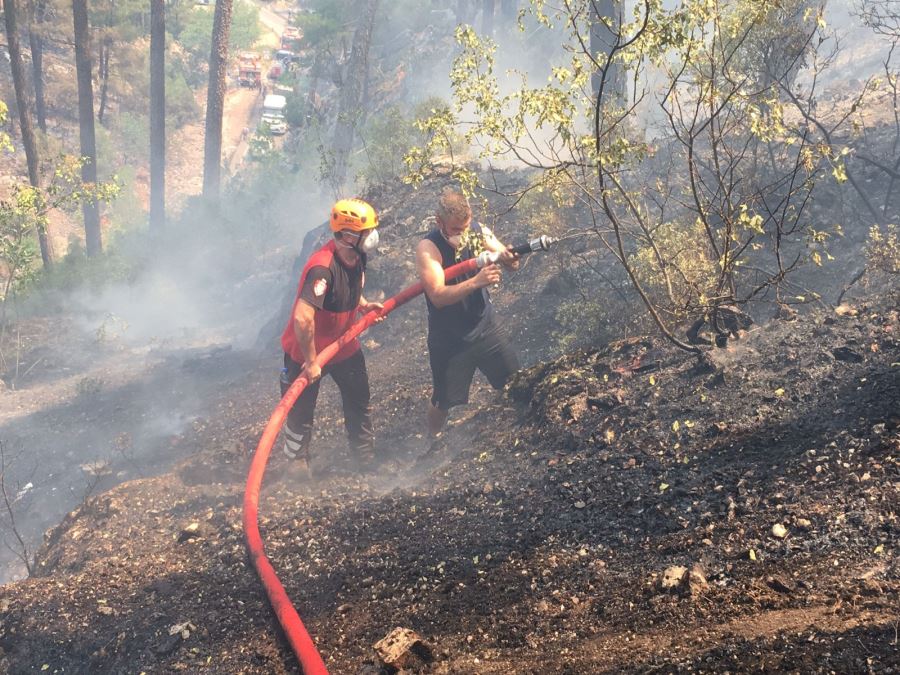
<point>467,319</point>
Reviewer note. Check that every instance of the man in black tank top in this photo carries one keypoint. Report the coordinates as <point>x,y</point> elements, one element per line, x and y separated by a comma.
<point>463,334</point>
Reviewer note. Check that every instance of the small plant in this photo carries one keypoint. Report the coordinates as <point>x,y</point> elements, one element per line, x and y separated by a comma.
<point>111,328</point>
<point>261,145</point>
<point>883,249</point>
<point>16,502</point>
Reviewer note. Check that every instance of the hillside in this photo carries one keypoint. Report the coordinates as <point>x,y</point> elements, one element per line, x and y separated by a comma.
<point>538,541</point>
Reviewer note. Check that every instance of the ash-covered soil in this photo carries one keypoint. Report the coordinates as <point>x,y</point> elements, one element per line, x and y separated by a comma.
<point>759,482</point>
<point>537,542</point>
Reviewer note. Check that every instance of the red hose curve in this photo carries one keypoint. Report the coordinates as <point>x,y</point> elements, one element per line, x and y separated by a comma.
<point>302,644</point>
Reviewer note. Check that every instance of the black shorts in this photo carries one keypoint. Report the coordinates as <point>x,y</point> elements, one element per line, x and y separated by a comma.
<point>453,366</point>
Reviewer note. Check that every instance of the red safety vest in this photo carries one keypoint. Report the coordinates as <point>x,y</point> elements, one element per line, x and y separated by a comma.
<point>340,312</point>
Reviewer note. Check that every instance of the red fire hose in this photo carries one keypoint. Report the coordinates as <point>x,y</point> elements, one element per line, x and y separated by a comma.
<point>310,661</point>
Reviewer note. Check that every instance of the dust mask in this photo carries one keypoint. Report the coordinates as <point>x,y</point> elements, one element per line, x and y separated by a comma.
<point>454,240</point>
<point>368,242</point>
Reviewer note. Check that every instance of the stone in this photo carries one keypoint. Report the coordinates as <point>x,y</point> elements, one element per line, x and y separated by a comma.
<point>872,587</point>
<point>845,310</point>
<point>403,649</point>
<point>847,355</point>
<point>696,580</point>
<point>804,524</point>
<point>189,532</point>
<point>779,585</point>
<point>673,577</point>
<point>779,531</point>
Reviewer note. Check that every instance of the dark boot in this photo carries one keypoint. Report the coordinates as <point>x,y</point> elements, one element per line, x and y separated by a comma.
<point>365,457</point>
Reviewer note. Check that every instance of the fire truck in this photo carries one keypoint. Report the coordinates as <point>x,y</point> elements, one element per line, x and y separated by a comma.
<point>291,39</point>
<point>249,70</point>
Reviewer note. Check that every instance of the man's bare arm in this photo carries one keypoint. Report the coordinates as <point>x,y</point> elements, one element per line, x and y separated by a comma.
<point>305,332</point>
<point>431,274</point>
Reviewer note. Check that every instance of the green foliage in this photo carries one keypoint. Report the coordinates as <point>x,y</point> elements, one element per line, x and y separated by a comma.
<point>261,145</point>
<point>127,211</point>
<point>582,321</point>
<point>780,45</point>
<point>88,387</point>
<point>883,249</point>
<point>181,106</point>
<point>19,221</point>
<point>133,131</point>
<point>326,21</point>
<point>390,135</point>
<point>245,30</point>
<point>5,143</point>
<point>296,107</point>
<point>25,213</point>
<point>196,34</point>
<point>120,20</point>
<point>678,178</point>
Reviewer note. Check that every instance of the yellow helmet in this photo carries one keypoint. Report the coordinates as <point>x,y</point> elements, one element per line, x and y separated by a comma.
<point>353,214</point>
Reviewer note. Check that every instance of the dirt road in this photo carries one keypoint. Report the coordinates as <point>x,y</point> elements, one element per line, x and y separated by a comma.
<point>184,173</point>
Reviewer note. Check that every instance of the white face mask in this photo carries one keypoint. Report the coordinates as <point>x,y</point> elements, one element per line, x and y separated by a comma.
<point>369,242</point>
<point>366,242</point>
<point>454,240</point>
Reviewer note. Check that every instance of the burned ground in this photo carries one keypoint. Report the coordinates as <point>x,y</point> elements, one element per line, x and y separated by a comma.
<point>536,542</point>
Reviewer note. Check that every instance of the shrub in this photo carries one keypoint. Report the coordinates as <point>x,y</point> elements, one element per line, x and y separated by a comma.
<point>883,249</point>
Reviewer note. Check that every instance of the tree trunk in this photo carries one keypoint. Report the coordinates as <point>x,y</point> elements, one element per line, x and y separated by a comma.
<point>36,41</point>
<point>215,101</point>
<point>157,114</point>
<point>89,207</point>
<point>603,39</point>
<point>353,85</point>
<point>315,74</point>
<point>105,49</point>
<point>487,17</point>
<point>28,141</point>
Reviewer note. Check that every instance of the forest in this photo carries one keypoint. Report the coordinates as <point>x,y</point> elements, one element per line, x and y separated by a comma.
<point>690,462</point>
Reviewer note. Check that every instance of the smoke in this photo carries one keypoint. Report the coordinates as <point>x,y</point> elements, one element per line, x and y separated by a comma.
<point>139,356</point>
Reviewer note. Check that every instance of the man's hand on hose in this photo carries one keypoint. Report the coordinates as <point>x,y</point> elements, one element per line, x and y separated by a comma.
<point>509,260</point>
<point>365,307</point>
<point>312,371</point>
<point>488,276</point>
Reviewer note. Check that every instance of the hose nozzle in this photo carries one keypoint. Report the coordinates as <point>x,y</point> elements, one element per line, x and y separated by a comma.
<point>542,243</point>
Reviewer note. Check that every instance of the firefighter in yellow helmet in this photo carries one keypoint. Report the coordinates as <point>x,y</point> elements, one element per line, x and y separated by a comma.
<point>329,299</point>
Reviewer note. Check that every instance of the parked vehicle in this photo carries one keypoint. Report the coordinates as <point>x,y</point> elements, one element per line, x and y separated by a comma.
<point>273,114</point>
<point>291,39</point>
<point>249,70</point>
<point>286,57</point>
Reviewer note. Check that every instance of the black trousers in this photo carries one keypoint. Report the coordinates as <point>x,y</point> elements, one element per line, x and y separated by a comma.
<point>453,365</point>
<point>352,380</point>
